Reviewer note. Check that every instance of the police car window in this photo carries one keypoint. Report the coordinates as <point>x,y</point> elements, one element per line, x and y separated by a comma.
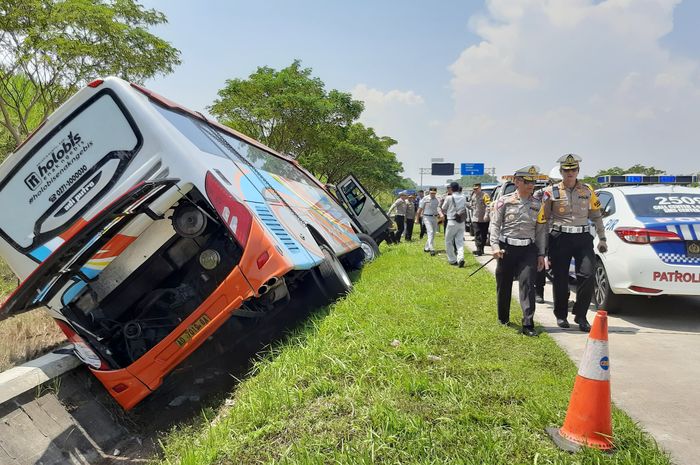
<point>508,189</point>
<point>665,204</point>
<point>606,202</point>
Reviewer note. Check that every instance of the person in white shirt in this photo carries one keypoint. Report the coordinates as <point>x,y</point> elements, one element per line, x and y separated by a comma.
<point>427,213</point>
<point>455,209</point>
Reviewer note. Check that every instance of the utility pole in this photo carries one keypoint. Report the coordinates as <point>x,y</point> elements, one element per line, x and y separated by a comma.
<point>423,171</point>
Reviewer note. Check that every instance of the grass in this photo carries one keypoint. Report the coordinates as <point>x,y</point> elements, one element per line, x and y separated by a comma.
<point>411,367</point>
<point>25,336</point>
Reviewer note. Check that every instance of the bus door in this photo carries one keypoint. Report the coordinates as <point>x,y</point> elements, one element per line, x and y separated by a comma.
<point>363,208</point>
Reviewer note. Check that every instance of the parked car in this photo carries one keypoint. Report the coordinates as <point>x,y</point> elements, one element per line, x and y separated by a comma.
<point>142,227</point>
<point>653,240</point>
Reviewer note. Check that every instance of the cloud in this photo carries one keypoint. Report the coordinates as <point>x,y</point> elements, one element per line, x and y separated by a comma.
<point>374,96</point>
<point>583,76</point>
<point>405,117</point>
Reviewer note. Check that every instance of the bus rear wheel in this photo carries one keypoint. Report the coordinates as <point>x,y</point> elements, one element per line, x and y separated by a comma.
<point>330,276</point>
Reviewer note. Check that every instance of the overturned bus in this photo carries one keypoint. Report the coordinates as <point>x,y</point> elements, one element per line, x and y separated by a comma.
<point>142,227</point>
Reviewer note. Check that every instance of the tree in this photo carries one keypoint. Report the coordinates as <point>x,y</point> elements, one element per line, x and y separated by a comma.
<point>49,48</point>
<point>291,111</point>
<point>466,181</point>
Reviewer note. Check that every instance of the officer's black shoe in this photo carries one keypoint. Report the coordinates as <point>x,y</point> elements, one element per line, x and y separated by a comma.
<point>583,324</point>
<point>460,263</point>
<point>529,331</point>
<point>539,299</point>
<point>504,322</point>
<point>453,263</point>
<point>426,250</point>
<point>563,323</point>
<point>432,253</point>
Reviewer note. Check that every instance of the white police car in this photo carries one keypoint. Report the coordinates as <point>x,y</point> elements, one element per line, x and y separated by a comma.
<point>653,233</point>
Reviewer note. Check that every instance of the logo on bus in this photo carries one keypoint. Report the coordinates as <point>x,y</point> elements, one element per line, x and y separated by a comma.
<point>32,181</point>
<point>53,160</point>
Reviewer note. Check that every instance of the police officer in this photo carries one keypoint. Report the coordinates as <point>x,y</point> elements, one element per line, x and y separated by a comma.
<point>418,199</point>
<point>400,207</point>
<point>479,203</point>
<point>410,216</point>
<point>428,214</point>
<point>518,242</point>
<point>455,210</point>
<point>566,208</point>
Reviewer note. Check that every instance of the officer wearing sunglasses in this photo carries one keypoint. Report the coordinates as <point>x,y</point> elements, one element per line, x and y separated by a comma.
<point>518,242</point>
<point>567,208</point>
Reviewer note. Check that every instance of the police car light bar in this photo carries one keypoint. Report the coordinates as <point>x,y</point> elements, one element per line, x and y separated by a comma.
<point>635,179</point>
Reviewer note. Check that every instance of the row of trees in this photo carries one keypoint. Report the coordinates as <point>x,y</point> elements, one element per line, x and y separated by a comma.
<point>51,48</point>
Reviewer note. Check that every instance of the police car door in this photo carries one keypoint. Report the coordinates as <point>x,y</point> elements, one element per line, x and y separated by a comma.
<point>362,207</point>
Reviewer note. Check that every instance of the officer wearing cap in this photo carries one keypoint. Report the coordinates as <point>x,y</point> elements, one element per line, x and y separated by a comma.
<point>567,208</point>
<point>518,242</point>
<point>400,207</point>
<point>455,209</point>
<point>479,203</point>
<point>428,214</point>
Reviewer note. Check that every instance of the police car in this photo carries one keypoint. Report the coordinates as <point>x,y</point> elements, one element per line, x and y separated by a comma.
<point>653,233</point>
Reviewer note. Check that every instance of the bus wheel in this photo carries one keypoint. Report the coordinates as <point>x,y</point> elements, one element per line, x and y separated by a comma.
<point>330,276</point>
<point>369,247</point>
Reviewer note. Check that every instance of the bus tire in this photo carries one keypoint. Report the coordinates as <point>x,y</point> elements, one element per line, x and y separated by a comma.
<point>369,247</point>
<point>330,276</point>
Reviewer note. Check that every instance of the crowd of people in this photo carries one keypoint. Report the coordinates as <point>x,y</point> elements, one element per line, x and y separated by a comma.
<point>528,232</point>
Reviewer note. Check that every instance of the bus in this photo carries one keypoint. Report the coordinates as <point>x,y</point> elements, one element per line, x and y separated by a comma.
<point>142,227</point>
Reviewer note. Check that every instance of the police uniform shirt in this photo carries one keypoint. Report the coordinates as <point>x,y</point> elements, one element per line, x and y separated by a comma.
<point>410,210</point>
<point>399,206</point>
<point>453,204</point>
<point>516,218</point>
<point>479,205</point>
<point>429,205</point>
<point>571,207</point>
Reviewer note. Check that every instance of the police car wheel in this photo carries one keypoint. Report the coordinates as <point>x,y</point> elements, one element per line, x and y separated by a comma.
<point>605,299</point>
<point>331,278</point>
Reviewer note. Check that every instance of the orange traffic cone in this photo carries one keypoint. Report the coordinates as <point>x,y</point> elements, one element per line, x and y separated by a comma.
<point>589,418</point>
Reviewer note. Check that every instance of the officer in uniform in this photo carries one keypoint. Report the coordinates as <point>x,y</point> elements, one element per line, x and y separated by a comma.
<point>518,242</point>
<point>400,207</point>
<point>422,226</point>
<point>455,210</point>
<point>479,205</point>
<point>428,214</point>
<point>410,216</point>
<point>567,208</point>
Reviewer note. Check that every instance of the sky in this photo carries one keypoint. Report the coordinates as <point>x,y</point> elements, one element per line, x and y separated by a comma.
<point>506,83</point>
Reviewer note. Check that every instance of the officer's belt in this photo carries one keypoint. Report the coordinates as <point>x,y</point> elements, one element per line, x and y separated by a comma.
<point>515,242</point>
<point>571,229</point>
<point>427,215</point>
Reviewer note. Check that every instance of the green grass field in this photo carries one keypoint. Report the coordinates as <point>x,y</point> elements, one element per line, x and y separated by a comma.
<point>457,388</point>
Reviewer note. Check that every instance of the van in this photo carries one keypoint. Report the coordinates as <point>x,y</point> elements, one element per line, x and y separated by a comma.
<point>142,227</point>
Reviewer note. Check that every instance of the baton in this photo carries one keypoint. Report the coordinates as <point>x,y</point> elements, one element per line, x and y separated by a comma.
<point>478,269</point>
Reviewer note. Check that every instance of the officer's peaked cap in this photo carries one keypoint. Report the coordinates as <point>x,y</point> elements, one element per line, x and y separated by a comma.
<point>528,173</point>
<point>569,161</point>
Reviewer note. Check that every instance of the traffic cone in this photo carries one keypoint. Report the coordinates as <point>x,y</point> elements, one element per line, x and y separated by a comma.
<point>589,418</point>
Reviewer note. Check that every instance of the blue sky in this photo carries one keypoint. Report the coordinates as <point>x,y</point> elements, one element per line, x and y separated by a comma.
<point>504,82</point>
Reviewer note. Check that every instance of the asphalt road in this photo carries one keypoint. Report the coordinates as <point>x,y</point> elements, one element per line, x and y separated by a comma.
<point>654,349</point>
